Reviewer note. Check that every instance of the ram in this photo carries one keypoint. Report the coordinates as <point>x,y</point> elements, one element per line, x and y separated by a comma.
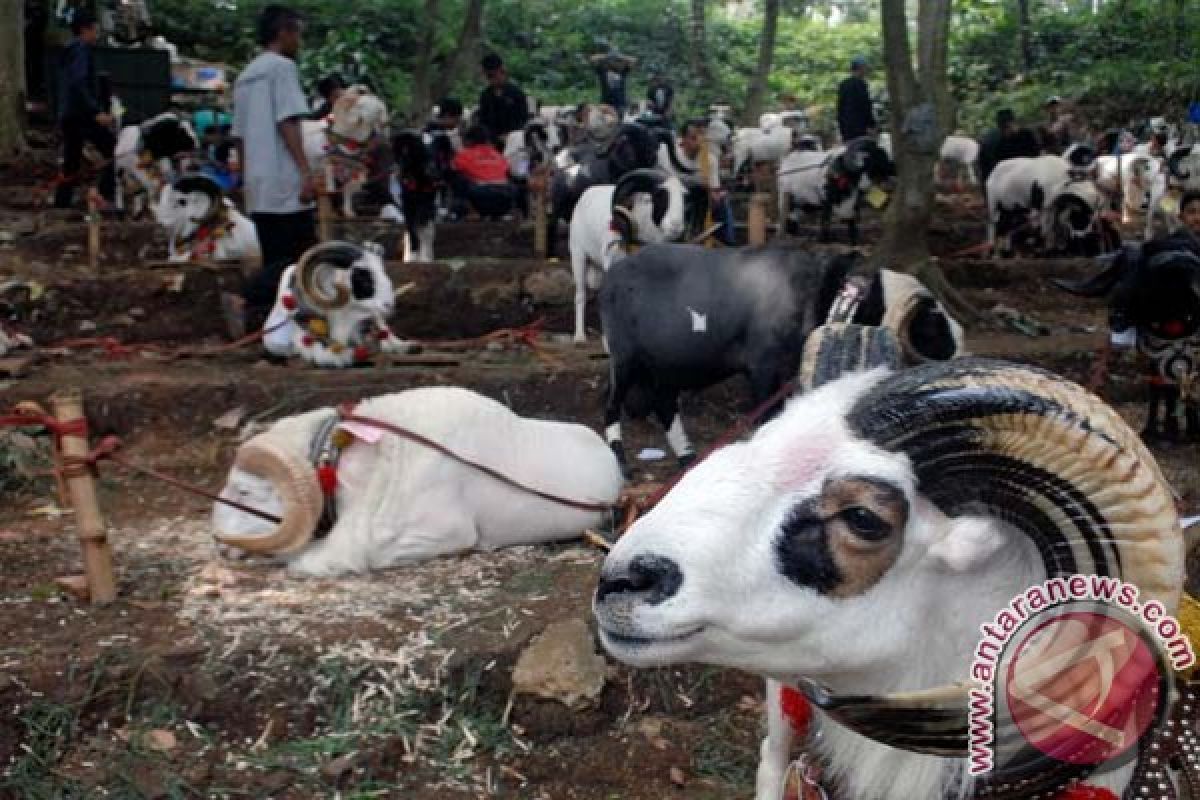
<point>332,308</point>
<point>856,544</point>
<point>1154,306</point>
<point>388,500</point>
<point>204,225</point>
<point>1049,202</point>
<point>645,207</point>
<point>830,183</point>
<point>681,317</point>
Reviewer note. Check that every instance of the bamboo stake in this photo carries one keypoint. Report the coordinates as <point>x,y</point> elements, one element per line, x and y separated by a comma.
<point>325,205</point>
<point>97,552</point>
<point>756,219</point>
<point>537,203</point>
<point>93,232</point>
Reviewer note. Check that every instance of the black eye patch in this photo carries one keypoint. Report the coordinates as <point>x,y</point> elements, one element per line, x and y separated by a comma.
<point>362,284</point>
<point>662,199</point>
<point>802,552</point>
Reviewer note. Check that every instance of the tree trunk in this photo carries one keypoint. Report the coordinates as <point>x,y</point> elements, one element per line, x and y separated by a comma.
<point>922,112</point>
<point>464,52</point>
<point>422,80</point>
<point>698,38</point>
<point>12,80</point>
<point>766,54</point>
<point>1025,36</point>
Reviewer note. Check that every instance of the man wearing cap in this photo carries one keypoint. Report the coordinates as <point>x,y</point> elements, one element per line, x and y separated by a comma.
<point>855,114</point>
<point>502,105</point>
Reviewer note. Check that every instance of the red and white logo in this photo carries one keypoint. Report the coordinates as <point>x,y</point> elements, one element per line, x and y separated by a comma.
<point>1083,687</point>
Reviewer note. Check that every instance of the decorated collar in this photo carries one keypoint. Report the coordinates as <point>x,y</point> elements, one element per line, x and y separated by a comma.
<point>316,327</point>
<point>324,453</point>
<point>848,299</point>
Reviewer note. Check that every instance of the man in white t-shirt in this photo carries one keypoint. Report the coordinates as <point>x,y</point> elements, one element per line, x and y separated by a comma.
<point>268,106</point>
<point>683,161</point>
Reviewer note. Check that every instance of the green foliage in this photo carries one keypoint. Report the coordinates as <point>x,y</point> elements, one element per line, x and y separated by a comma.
<point>1131,57</point>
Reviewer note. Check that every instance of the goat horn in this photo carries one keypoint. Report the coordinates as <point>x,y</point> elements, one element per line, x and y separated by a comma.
<point>906,296</point>
<point>296,481</point>
<point>339,255</point>
<point>836,348</point>
<point>640,180</point>
<point>1045,456</point>
<point>1041,453</point>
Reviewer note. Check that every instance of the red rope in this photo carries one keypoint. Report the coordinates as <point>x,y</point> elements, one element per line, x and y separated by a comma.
<point>346,412</point>
<point>106,450</point>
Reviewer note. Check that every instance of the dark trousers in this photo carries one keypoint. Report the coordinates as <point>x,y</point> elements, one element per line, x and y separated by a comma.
<point>488,199</point>
<point>76,132</point>
<point>283,239</point>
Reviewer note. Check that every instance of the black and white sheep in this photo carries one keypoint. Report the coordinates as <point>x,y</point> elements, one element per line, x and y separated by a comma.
<point>830,182</point>
<point>203,225</point>
<point>644,207</point>
<point>396,501</point>
<point>856,544</point>
<point>1047,200</point>
<point>148,157</point>
<point>414,188</point>
<point>681,317</point>
<point>1154,306</point>
<point>633,147</point>
<point>332,308</point>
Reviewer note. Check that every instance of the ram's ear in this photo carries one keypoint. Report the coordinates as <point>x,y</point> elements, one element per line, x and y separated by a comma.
<point>968,545</point>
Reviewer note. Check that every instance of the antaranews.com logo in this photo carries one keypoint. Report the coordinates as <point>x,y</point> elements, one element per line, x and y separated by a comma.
<point>1079,667</point>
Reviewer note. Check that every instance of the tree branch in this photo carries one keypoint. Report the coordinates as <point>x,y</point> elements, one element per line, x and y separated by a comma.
<point>897,56</point>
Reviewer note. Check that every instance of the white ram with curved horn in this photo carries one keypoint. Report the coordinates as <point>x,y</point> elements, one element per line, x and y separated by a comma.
<point>396,501</point>
<point>332,308</point>
<point>855,545</point>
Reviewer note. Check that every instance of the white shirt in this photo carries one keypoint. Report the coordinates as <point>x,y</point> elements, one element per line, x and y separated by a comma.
<point>267,93</point>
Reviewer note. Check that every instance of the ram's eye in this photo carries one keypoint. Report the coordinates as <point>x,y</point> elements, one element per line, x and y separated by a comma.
<point>865,523</point>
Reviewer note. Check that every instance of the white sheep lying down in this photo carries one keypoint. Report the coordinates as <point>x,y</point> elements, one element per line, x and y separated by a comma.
<point>398,501</point>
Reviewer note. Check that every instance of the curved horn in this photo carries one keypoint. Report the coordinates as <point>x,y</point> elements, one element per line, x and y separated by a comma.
<point>1116,266</point>
<point>296,482</point>
<point>1173,163</point>
<point>837,348</point>
<point>314,262</point>
<point>1021,445</point>
<point>631,183</point>
<point>1041,453</point>
<point>905,298</point>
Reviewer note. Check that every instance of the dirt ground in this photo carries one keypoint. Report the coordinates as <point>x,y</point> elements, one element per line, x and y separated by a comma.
<point>215,678</point>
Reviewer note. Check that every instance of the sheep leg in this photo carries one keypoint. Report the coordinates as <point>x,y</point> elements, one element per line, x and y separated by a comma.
<point>852,228</point>
<point>826,219</point>
<point>426,239</point>
<point>1171,412</point>
<point>1191,411</point>
<point>666,408</point>
<point>579,265</point>
<point>1150,432</point>
<point>620,380</point>
<point>776,750</point>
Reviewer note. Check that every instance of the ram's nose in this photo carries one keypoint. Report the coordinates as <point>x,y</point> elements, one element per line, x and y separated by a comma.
<point>648,579</point>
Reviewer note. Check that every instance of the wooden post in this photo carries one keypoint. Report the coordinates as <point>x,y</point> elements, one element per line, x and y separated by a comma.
<point>325,205</point>
<point>93,232</point>
<point>67,406</point>
<point>756,219</point>
<point>537,207</point>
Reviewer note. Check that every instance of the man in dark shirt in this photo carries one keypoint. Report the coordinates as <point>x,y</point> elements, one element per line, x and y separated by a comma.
<point>613,70</point>
<point>992,145</point>
<point>81,115</point>
<point>856,116</point>
<point>502,105</point>
<point>660,96</point>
